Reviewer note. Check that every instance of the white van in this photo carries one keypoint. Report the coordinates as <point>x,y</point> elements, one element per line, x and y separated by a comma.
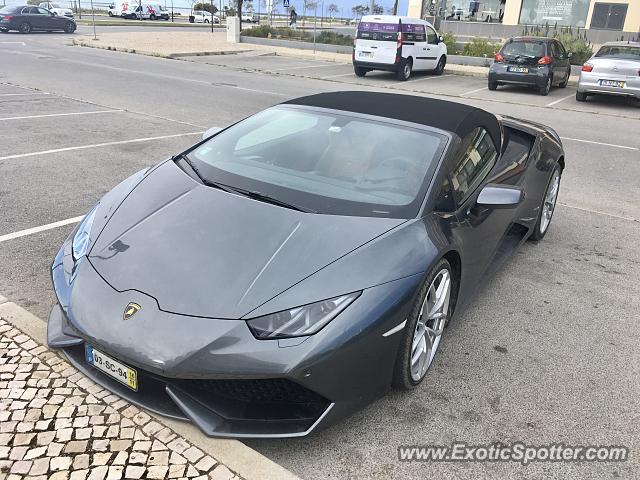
<point>397,44</point>
<point>150,11</point>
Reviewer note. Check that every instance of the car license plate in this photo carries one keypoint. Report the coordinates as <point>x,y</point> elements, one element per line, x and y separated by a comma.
<point>518,69</point>
<point>366,55</point>
<point>111,367</point>
<point>612,83</point>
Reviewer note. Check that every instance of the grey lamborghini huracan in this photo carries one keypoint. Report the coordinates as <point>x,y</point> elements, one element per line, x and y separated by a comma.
<point>292,267</point>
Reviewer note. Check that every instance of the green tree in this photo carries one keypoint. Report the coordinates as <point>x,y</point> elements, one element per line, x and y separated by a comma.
<point>207,7</point>
<point>307,5</point>
<point>333,9</point>
<point>33,2</point>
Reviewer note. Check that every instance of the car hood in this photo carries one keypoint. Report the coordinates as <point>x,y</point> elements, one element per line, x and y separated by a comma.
<point>203,252</point>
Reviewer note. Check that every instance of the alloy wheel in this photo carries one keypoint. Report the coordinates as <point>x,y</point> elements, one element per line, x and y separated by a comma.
<point>549,203</point>
<point>430,325</point>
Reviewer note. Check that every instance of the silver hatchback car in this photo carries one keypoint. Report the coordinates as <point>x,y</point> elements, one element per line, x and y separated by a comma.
<point>613,70</point>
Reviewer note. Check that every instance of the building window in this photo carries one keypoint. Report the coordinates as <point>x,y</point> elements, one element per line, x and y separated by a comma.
<point>554,12</point>
<point>609,16</point>
<point>490,11</point>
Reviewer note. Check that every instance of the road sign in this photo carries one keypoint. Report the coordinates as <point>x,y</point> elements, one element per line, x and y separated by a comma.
<point>285,3</point>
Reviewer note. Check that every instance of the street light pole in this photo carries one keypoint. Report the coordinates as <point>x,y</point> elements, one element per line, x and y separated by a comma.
<point>93,19</point>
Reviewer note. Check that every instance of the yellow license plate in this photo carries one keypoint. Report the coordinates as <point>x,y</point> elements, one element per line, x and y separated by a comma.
<point>113,368</point>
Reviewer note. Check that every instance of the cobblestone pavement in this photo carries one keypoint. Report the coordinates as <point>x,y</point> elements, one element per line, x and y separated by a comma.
<point>57,424</point>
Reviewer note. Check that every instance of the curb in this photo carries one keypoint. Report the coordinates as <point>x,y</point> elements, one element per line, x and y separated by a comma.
<point>245,461</point>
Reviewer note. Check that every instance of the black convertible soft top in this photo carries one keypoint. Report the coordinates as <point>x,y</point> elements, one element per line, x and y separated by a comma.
<point>453,117</point>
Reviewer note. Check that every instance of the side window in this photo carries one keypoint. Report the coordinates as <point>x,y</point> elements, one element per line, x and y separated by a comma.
<point>562,53</point>
<point>477,158</point>
<point>553,50</point>
<point>432,36</point>
<point>42,11</point>
<point>28,11</point>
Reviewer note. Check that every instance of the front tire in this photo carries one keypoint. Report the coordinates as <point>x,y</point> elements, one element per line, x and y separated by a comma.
<point>425,325</point>
<point>24,27</point>
<point>70,28</point>
<point>548,205</point>
<point>564,83</point>
<point>110,14</point>
<point>439,70</point>
<point>405,70</point>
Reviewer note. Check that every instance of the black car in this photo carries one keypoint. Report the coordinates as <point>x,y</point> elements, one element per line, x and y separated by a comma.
<point>288,269</point>
<point>535,61</point>
<point>27,18</point>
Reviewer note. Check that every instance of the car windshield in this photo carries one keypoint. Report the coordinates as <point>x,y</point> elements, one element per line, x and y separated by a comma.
<point>626,52</point>
<point>327,162</point>
<point>530,49</point>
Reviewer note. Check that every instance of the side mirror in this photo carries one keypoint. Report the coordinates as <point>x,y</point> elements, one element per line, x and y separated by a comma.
<point>500,196</point>
<point>440,39</point>
<point>569,54</point>
<point>210,133</point>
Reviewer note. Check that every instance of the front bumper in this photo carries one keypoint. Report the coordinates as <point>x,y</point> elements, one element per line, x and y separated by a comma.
<point>214,372</point>
<point>537,75</point>
<point>590,83</point>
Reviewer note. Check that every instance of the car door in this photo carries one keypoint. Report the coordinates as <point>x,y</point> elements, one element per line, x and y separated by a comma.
<point>418,40</point>
<point>477,229</point>
<point>49,21</point>
<point>564,64</point>
<point>432,49</point>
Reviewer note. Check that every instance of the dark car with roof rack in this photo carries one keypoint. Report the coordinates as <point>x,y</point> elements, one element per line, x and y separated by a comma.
<point>537,62</point>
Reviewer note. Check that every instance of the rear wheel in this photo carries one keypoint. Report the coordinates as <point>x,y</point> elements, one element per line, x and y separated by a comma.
<point>424,327</point>
<point>544,90</point>
<point>581,96</point>
<point>111,14</point>
<point>548,205</point>
<point>206,20</point>
<point>360,71</point>
<point>440,67</point>
<point>24,27</point>
<point>70,27</point>
<point>406,67</point>
<point>493,85</point>
<point>152,16</point>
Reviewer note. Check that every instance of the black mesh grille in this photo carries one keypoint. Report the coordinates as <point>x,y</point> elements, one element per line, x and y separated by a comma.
<point>270,390</point>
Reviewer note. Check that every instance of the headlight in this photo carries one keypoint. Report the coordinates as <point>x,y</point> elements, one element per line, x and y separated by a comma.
<point>81,238</point>
<point>300,321</point>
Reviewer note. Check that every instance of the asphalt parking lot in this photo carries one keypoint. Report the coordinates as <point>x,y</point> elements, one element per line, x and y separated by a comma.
<point>547,354</point>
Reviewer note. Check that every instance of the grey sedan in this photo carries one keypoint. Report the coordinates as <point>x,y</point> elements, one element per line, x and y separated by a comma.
<point>613,70</point>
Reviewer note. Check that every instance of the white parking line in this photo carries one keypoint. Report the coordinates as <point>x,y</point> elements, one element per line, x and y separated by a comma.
<point>336,76</point>
<point>21,94</point>
<point>433,77</point>
<point>473,91</point>
<point>58,115</point>
<point>42,228</point>
<point>560,100</point>
<point>96,145</point>
<point>298,67</point>
<point>600,143</point>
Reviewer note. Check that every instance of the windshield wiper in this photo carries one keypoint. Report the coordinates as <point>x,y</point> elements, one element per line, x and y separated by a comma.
<point>247,193</point>
<point>269,199</point>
